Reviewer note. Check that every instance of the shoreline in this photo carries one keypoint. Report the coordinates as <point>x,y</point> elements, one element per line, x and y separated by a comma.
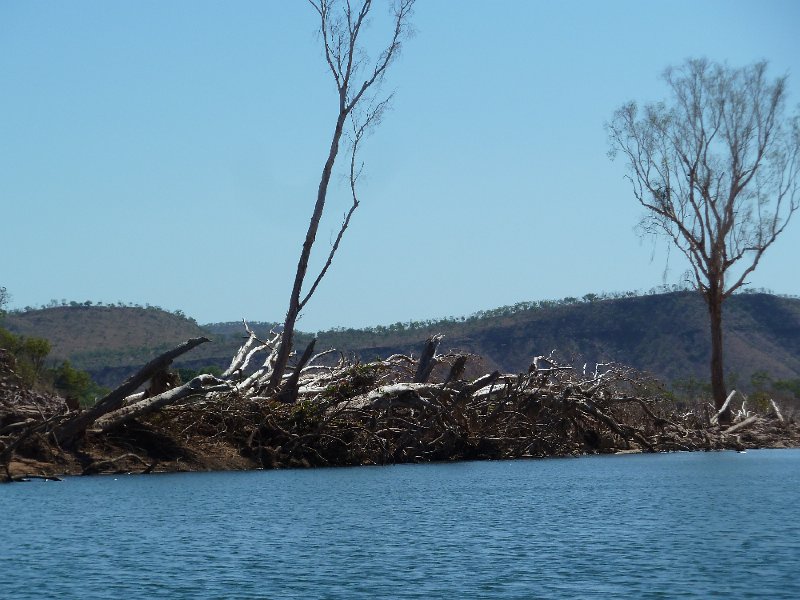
<point>398,410</point>
<point>101,456</point>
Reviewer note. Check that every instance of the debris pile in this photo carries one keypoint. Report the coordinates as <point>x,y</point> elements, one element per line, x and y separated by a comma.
<point>332,411</point>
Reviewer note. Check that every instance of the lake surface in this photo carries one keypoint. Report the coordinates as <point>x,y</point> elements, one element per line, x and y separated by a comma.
<point>693,525</point>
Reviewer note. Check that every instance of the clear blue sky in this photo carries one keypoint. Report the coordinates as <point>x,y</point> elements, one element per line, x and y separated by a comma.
<point>169,153</point>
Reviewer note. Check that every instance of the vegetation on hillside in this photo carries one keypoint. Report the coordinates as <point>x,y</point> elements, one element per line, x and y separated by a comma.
<point>662,331</point>
<point>64,303</point>
<point>93,336</point>
<point>31,365</point>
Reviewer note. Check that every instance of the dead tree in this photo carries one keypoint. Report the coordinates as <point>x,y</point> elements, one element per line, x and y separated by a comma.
<point>114,400</point>
<point>428,359</point>
<point>358,85</point>
<point>717,171</point>
<point>385,411</point>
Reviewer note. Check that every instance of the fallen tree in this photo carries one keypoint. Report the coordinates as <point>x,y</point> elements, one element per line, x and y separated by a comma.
<point>77,425</point>
<point>331,411</point>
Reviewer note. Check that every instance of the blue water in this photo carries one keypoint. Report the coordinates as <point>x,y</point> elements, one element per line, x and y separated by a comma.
<point>700,525</point>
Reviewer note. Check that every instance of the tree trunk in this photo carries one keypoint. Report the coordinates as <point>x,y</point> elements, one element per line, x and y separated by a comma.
<point>428,359</point>
<point>75,427</point>
<point>714,299</point>
<point>148,405</point>
<point>288,393</point>
<point>295,305</point>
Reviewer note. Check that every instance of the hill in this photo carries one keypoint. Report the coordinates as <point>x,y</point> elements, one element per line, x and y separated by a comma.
<point>664,334</point>
<point>107,341</point>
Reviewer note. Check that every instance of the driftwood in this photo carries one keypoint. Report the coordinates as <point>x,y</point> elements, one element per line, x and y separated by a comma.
<point>741,425</point>
<point>289,391</point>
<point>199,386</point>
<point>776,410</point>
<point>31,427</point>
<point>115,399</point>
<point>337,412</point>
<point>428,359</point>
<point>104,465</point>
<point>723,409</point>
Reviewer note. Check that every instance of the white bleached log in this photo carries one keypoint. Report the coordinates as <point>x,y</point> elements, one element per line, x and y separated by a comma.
<point>748,421</point>
<point>777,411</point>
<point>200,385</point>
<point>715,418</point>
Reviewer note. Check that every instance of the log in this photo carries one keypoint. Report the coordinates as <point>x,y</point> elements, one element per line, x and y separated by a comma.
<point>776,409</point>
<point>242,354</point>
<point>396,395</point>
<point>457,369</point>
<point>742,424</point>
<point>592,409</point>
<point>18,425</point>
<point>715,418</point>
<point>481,382</point>
<point>428,359</point>
<point>100,465</point>
<point>76,426</point>
<point>148,405</point>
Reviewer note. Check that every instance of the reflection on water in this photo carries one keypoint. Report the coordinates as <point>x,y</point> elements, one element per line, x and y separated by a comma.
<point>698,525</point>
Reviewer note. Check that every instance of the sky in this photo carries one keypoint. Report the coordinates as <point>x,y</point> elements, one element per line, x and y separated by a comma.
<point>169,153</point>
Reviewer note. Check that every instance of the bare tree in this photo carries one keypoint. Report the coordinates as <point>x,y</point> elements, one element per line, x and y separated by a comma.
<point>716,169</point>
<point>358,81</point>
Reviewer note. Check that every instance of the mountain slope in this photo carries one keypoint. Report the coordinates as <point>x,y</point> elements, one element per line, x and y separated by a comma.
<point>665,334</point>
<point>97,336</point>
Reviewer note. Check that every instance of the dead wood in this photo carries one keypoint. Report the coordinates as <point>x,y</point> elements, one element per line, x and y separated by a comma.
<point>776,410</point>
<point>77,425</point>
<point>741,425</point>
<point>199,386</point>
<point>457,369</point>
<point>428,359</point>
<point>351,413</point>
<point>103,465</point>
<point>288,392</point>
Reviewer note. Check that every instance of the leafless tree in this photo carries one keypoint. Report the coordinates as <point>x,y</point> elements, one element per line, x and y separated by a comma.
<point>358,81</point>
<point>716,169</point>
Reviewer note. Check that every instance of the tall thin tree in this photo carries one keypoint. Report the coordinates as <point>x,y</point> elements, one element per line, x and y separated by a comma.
<point>358,83</point>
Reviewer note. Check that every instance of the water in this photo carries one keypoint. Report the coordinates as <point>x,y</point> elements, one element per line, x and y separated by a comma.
<point>700,525</point>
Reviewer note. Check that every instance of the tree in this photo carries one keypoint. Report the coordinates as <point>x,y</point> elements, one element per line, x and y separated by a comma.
<point>716,169</point>
<point>36,350</point>
<point>75,384</point>
<point>358,85</point>
<point>4,297</point>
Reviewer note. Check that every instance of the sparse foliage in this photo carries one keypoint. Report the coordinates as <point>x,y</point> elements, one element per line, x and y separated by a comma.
<point>716,169</point>
<point>361,105</point>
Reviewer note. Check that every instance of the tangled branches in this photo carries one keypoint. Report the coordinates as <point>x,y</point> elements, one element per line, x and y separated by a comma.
<point>331,411</point>
<point>387,411</point>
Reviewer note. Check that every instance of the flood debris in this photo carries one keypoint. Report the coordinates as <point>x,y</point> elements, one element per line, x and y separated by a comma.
<point>333,411</point>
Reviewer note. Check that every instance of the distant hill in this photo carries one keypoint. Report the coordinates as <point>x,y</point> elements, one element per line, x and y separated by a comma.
<point>107,341</point>
<point>664,334</point>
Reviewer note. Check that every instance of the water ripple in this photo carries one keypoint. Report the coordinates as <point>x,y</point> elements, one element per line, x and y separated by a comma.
<point>705,525</point>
